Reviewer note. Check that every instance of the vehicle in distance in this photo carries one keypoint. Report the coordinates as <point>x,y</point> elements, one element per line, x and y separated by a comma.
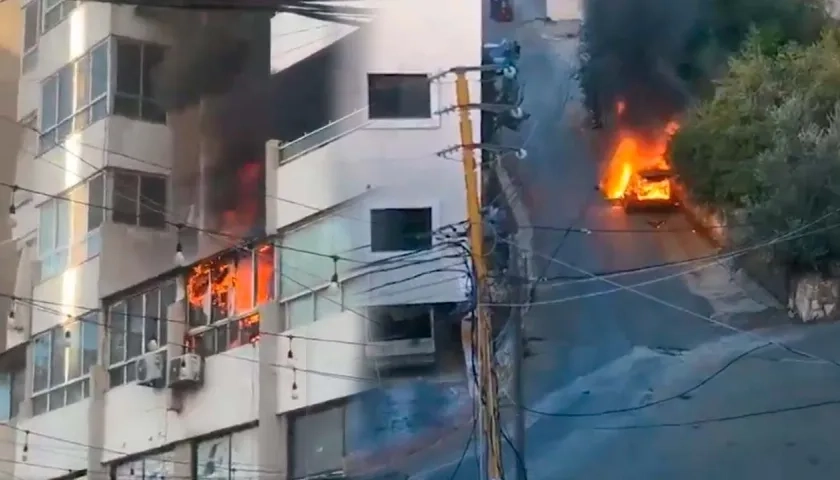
<point>501,10</point>
<point>651,189</point>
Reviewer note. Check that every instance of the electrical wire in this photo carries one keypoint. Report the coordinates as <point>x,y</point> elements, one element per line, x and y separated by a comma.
<point>700,316</point>
<point>679,396</point>
<point>618,287</point>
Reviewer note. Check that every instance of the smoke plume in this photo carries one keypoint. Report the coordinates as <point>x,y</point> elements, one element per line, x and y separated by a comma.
<point>633,51</point>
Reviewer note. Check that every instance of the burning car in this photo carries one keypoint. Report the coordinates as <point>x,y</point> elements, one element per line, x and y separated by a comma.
<point>651,189</point>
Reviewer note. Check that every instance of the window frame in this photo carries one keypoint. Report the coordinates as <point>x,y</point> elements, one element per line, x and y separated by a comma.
<point>87,320</point>
<point>81,116</point>
<point>29,55</point>
<point>90,238</point>
<point>247,320</point>
<point>142,97</point>
<point>312,295</point>
<point>140,202</point>
<point>396,120</point>
<point>125,364</point>
<point>64,7</point>
<point>380,246</point>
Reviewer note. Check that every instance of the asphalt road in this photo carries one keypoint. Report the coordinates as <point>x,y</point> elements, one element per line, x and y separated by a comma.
<point>618,349</point>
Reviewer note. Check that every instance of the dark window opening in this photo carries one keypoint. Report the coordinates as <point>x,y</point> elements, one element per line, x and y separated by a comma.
<point>395,96</point>
<point>139,199</point>
<point>401,322</point>
<point>400,229</point>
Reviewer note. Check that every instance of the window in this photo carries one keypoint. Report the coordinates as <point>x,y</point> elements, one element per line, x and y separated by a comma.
<point>62,359</point>
<point>74,97</point>
<point>396,96</point>
<point>159,466</point>
<point>133,95</point>
<point>31,33</point>
<point>139,199</point>
<point>223,295</point>
<point>230,457</point>
<point>317,442</point>
<point>401,322</point>
<point>12,381</point>
<point>137,325</point>
<point>311,307</point>
<point>68,230</point>
<point>328,235</point>
<point>55,11</point>
<point>400,229</point>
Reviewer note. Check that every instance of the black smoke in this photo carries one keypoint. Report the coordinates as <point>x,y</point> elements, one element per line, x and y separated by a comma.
<point>638,52</point>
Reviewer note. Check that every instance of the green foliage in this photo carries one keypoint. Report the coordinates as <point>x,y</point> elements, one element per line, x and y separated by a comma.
<point>768,143</point>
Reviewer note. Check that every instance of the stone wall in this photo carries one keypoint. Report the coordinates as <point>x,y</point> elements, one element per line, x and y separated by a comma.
<point>809,297</point>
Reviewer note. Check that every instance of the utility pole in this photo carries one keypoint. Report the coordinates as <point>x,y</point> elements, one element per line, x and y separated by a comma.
<point>510,115</point>
<point>487,394</point>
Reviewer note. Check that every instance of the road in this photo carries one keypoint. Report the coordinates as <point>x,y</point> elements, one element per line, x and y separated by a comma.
<point>619,349</point>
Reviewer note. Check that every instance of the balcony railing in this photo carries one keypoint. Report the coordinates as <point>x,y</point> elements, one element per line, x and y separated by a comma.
<point>324,135</point>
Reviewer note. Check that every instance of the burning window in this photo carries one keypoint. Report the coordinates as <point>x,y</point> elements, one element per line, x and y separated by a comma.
<point>223,294</point>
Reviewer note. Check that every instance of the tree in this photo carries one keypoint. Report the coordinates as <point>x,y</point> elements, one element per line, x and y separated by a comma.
<point>768,144</point>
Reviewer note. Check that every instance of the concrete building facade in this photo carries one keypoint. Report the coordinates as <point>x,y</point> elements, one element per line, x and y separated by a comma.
<point>152,336</point>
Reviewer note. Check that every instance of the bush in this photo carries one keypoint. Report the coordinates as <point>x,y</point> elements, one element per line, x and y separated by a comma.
<point>768,143</point>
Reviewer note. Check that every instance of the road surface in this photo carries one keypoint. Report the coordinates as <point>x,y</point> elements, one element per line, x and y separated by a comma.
<point>619,349</point>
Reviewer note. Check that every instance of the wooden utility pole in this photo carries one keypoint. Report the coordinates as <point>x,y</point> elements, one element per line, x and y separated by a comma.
<point>487,392</point>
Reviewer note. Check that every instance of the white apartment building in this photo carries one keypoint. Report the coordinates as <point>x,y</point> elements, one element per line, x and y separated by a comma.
<point>124,364</point>
<point>370,185</point>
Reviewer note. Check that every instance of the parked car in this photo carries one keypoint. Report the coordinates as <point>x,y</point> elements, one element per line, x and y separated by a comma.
<point>651,189</point>
<point>501,10</point>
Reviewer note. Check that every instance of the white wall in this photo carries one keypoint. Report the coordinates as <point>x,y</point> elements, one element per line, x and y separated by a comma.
<point>65,293</point>
<point>137,419</point>
<point>50,457</point>
<point>294,37</point>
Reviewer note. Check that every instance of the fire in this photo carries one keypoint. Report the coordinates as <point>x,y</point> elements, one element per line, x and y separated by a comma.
<point>634,154</point>
<point>231,284</point>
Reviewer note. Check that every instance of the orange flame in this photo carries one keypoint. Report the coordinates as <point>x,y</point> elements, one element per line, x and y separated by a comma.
<point>633,154</point>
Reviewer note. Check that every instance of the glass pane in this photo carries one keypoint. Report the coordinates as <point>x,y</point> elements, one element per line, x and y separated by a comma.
<point>265,273</point>
<point>58,366</point>
<point>99,71</point>
<point>153,202</point>
<point>49,99</point>
<point>331,235</point>
<point>300,311</point>
<point>65,93</point>
<point>117,321</point>
<point>128,67</point>
<point>126,106</point>
<point>96,196</point>
<point>30,28</point>
<point>82,82</point>
<point>134,340</point>
<point>39,404</point>
<point>90,341</point>
<point>327,303</point>
<point>116,376</point>
<point>73,351</point>
<point>52,18</point>
<point>99,110</point>
<point>5,396</point>
<point>234,334</point>
<point>152,313</point>
<point>152,57</point>
<point>126,190</point>
<point>56,398</point>
<point>130,372</point>
<point>167,298</point>
<point>151,111</point>
<point>75,392</point>
<point>46,228</point>
<point>222,338</point>
<point>243,287</point>
<point>62,223</point>
<point>18,391</point>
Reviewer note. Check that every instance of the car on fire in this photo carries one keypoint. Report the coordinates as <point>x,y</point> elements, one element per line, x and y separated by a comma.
<point>651,189</point>
<point>501,10</point>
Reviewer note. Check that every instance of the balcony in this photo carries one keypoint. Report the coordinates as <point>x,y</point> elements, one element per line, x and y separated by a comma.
<point>323,136</point>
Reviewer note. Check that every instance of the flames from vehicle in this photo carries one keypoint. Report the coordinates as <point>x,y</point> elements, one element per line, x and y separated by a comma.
<point>635,154</point>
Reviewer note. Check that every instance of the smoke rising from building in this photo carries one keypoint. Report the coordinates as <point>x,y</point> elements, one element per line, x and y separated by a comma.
<point>633,52</point>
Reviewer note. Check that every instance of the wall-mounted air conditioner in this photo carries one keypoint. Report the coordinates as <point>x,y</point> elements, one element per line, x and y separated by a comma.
<point>151,369</point>
<point>186,371</point>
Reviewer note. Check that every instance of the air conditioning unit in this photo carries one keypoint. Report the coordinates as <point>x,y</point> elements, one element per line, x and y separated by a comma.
<point>186,371</point>
<point>151,369</point>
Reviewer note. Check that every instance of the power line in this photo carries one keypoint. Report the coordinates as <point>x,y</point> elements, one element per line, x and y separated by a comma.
<point>679,396</point>
<point>591,276</point>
